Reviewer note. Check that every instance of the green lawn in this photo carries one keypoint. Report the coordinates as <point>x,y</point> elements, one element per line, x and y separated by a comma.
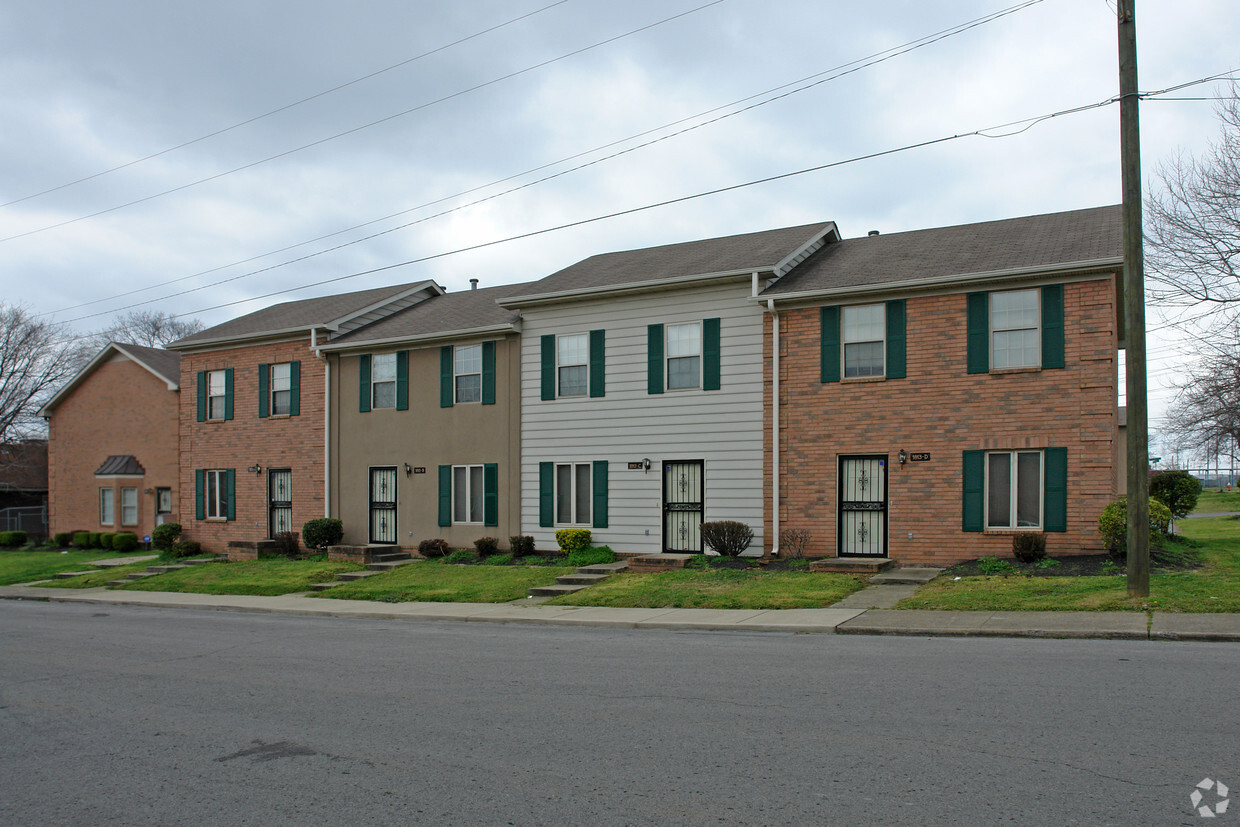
<point>439,582</point>
<point>268,577</point>
<point>1213,588</point>
<point>27,566</point>
<point>1211,501</point>
<point>99,577</point>
<point>718,589</point>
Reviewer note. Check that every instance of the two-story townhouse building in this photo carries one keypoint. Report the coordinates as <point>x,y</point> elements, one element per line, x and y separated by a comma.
<point>252,420</point>
<point>424,423</point>
<point>934,392</point>
<point>112,443</point>
<point>642,390</point>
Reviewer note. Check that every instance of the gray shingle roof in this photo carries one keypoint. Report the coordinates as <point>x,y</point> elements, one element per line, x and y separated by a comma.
<point>449,313</point>
<point>120,464</point>
<point>1029,243</point>
<point>163,362</point>
<point>295,315</point>
<point>748,252</point>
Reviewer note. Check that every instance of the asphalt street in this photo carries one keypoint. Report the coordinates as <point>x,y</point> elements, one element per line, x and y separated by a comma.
<point>123,715</point>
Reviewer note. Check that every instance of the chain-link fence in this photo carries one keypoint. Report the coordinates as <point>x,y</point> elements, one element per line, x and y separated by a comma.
<point>30,519</point>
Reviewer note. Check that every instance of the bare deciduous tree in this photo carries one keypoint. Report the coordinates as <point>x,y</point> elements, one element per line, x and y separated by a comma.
<point>1205,416</point>
<point>153,328</point>
<point>36,357</point>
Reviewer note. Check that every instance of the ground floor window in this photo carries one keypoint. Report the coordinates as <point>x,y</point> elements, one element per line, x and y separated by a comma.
<point>572,493</point>
<point>129,506</point>
<point>383,505</point>
<point>467,494</point>
<point>1014,489</point>
<point>216,494</point>
<point>107,505</point>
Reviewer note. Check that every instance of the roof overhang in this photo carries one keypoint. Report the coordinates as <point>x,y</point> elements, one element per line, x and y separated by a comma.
<point>105,353</point>
<point>246,340</point>
<point>514,302</point>
<point>424,339</point>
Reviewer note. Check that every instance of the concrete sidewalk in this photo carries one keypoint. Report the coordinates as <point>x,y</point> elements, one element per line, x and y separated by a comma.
<point>853,621</point>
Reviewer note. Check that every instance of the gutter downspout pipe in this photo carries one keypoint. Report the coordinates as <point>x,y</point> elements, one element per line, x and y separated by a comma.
<point>770,306</point>
<point>327,422</point>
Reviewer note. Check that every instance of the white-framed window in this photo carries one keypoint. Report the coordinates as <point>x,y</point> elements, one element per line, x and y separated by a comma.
<point>215,494</point>
<point>1014,489</point>
<point>864,332</point>
<point>107,504</point>
<point>383,380</point>
<point>217,394</point>
<point>467,373</point>
<point>129,506</point>
<point>1015,329</point>
<point>572,364</point>
<point>572,493</point>
<point>684,355</point>
<point>468,488</point>
<point>281,380</point>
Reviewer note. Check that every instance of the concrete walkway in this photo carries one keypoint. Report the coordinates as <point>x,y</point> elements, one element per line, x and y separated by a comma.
<point>835,620</point>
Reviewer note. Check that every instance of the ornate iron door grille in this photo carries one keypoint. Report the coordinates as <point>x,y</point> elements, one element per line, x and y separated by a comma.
<point>383,505</point>
<point>280,508</point>
<point>863,506</point>
<point>683,499</point>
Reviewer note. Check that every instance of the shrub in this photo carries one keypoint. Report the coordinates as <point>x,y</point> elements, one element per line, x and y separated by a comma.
<point>165,535</point>
<point>727,537</point>
<point>437,547</point>
<point>62,538</point>
<point>1113,524</point>
<point>105,539</point>
<point>323,532</point>
<point>95,540</point>
<point>186,548</point>
<point>591,556</point>
<point>81,539</point>
<point>522,545</point>
<point>461,556</point>
<point>1029,546</point>
<point>698,561</point>
<point>287,544</point>
<point>993,565</point>
<point>125,541</point>
<point>573,539</point>
<point>12,539</point>
<point>793,541</point>
<point>1178,490</point>
<point>486,546</point>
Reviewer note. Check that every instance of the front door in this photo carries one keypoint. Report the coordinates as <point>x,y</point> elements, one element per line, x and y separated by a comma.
<point>163,505</point>
<point>280,501</point>
<point>863,506</point>
<point>683,498</point>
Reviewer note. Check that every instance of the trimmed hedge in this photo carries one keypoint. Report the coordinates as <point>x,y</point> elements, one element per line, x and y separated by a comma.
<point>573,539</point>
<point>727,537</point>
<point>81,539</point>
<point>165,535</point>
<point>62,538</point>
<point>105,539</point>
<point>1113,524</point>
<point>323,532</point>
<point>12,539</point>
<point>522,545</point>
<point>125,541</point>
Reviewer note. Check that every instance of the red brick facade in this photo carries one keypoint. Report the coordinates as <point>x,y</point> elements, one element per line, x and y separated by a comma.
<point>119,409</point>
<point>246,440</point>
<point>942,410</point>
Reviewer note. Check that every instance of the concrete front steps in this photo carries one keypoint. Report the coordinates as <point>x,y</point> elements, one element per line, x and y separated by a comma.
<point>153,570</point>
<point>851,565</point>
<point>379,563</point>
<point>582,578</point>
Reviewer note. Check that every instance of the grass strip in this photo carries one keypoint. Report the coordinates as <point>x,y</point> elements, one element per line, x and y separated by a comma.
<point>263,577</point>
<point>98,577</point>
<point>718,589</point>
<point>438,582</point>
<point>27,566</point>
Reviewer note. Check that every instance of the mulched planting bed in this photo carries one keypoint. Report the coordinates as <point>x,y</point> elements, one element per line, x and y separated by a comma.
<point>1180,558</point>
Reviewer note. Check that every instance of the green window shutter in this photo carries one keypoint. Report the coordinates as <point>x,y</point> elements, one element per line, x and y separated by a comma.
<point>363,383</point>
<point>546,494</point>
<point>202,397</point>
<point>488,373</point>
<point>264,393</point>
<point>490,494</point>
<point>228,393</point>
<point>200,492</point>
<point>974,494</point>
<point>895,368</point>
<point>230,491</point>
<point>1052,326</point>
<point>402,380</point>
<point>654,358</point>
<point>711,367</point>
<point>600,493</point>
<point>445,377</point>
<point>445,495</point>
<point>598,363</point>
<point>294,389</point>
<point>979,333</point>
<point>829,344</point>
<point>548,366</point>
<point>1055,493</point>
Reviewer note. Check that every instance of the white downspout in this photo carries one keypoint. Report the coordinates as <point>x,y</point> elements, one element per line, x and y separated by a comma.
<point>770,306</point>
<point>327,423</point>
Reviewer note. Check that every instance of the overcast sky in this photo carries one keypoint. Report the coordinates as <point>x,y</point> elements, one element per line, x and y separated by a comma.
<point>88,87</point>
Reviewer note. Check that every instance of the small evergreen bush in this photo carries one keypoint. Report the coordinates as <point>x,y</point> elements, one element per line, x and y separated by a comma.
<point>995,566</point>
<point>62,539</point>
<point>591,556</point>
<point>1029,546</point>
<point>1113,524</point>
<point>186,548</point>
<point>165,535</point>
<point>94,540</point>
<point>323,532</point>
<point>437,547</point>
<point>12,539</point>
<point>486,546</point>
<point>125,541</point>
<point>1178,490</point>
<point>288,544</point>
<point>573,539</point>
<point>727,537</point>
<point>105,539</point>
<point>81,539</point>
<point>522,545</point>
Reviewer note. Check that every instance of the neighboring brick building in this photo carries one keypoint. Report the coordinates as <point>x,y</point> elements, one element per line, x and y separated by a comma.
<point>940,390</point>
<point>112,443</point>
<point>252,423</point>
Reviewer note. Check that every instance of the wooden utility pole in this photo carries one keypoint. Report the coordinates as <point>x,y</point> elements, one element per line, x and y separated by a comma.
<point>1134,308</point>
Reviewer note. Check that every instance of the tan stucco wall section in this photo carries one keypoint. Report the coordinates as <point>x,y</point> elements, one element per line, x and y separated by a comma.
<point>425,436</point>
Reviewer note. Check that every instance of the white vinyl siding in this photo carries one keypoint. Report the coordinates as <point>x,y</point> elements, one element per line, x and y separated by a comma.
<point>723,428</point>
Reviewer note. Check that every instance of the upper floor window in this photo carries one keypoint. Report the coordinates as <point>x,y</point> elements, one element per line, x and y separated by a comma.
<point>281,389</point>
<point>864,337</point>
<point>684,355</point>
<point>1014,329</point>
<point>217,394</point>
<point>572,364</point>
<point>467,373</point>
<point>383,380</point>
